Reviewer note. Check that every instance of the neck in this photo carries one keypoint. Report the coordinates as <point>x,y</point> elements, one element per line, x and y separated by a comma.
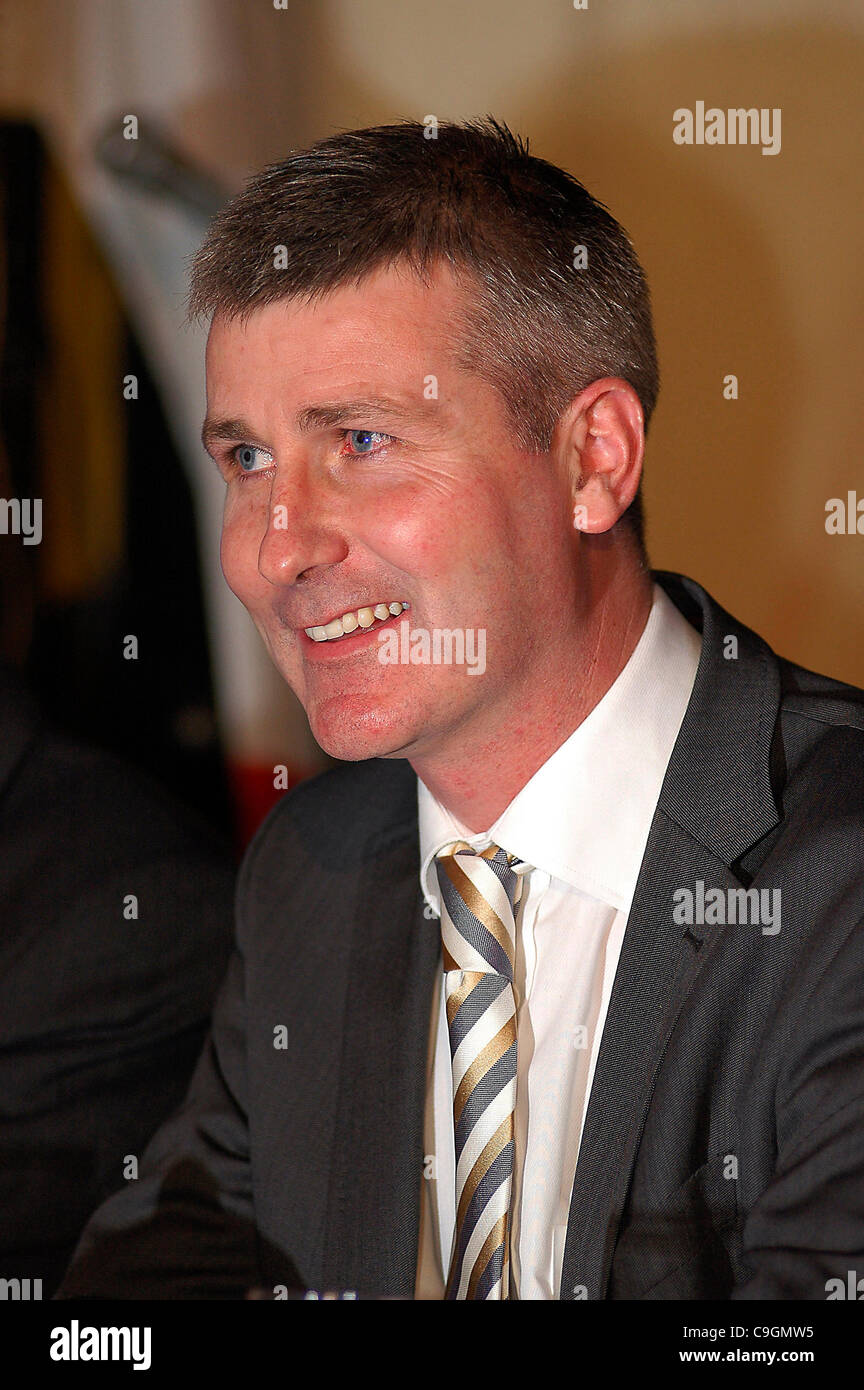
<point>481,772</point>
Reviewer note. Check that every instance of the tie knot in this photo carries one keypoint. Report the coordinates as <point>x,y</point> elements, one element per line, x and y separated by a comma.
<point>479,893</point>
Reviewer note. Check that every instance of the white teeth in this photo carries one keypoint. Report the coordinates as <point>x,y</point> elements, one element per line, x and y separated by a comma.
<point>349,622</point>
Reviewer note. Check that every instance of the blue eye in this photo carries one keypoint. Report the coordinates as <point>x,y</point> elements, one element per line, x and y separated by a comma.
<point>365,441</point>
<point>245,456</point>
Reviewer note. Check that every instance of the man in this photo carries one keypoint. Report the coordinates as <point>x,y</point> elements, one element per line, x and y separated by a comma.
<point>640,1071</point>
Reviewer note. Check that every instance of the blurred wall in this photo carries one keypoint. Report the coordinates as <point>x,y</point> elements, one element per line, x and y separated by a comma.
<point>754,260</point>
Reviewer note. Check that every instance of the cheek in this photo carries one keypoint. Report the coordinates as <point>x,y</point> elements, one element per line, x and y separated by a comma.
<point>404,532</point>
<point>429,533</point>
<point>239,549</point>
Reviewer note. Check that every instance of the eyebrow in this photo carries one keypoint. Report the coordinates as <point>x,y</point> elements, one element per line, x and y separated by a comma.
<point>215,431</point>
<point>328,415</point>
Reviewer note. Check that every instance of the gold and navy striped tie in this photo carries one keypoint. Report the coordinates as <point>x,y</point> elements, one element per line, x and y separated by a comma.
<point>479,894</point>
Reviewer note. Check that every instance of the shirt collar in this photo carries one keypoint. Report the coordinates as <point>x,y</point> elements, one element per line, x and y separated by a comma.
<point>585,815</point>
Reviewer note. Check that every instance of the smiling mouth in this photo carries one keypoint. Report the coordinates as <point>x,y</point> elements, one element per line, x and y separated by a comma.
<point>356,619</point>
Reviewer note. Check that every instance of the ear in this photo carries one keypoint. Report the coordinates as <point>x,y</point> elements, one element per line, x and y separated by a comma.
<point>599,443</point>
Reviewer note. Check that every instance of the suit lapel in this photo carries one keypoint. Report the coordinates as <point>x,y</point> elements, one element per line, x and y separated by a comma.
<point>373,1208</point>
<point>659,963</point>
<point>716,803</point>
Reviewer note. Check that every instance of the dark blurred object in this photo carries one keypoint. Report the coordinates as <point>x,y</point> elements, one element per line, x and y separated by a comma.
<point>21,356</point>
<point>119,550</point>
<point>158,708</point>
<point>102,1013</point>
<point>150,161</point>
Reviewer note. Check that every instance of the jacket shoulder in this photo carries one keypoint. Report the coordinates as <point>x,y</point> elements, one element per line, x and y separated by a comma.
<point>822,725</point>
<point>325,832</point>
<point>819,699</point>
<point>348,804</point>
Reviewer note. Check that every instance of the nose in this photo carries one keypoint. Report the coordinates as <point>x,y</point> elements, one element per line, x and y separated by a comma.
<point>302,532</point>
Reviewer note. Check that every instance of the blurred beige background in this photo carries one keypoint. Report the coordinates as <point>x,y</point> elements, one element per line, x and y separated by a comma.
<point>755,261</point>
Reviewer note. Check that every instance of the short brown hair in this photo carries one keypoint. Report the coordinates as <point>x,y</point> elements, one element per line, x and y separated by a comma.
<point>557,297</point>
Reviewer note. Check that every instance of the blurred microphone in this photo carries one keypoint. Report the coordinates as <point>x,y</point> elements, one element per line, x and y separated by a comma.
<point>152,163</point>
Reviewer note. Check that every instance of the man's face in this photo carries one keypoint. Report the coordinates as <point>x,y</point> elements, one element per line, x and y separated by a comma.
<point>363,468</point>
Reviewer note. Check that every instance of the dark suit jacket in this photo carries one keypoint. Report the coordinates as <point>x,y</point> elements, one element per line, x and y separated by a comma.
<point>102,1017</point>
<point>723,1149</point>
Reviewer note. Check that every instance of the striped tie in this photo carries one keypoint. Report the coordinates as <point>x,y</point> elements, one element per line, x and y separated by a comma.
<point>479,894</point>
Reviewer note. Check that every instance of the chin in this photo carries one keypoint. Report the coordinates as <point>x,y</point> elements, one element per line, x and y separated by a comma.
<point>353,735</point>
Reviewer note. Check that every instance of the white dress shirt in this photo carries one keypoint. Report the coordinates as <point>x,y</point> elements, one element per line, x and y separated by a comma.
<point>582,823</point>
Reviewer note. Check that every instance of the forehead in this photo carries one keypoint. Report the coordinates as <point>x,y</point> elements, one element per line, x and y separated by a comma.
<point>392,319</point>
